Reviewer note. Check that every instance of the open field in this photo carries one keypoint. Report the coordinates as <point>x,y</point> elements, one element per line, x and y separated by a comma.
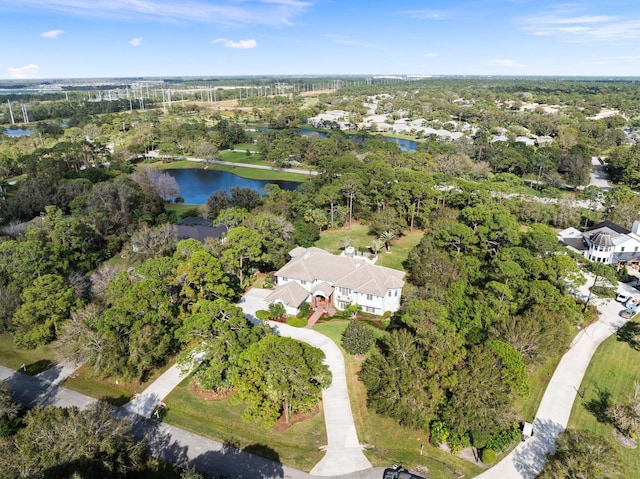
<point>610,378</point>
<point>400,247</point>
<point>297,446</point>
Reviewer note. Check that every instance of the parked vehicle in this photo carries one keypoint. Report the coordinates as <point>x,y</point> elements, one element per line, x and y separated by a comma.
<point>623,297</point>
<point>399,472</point>
<point>627,313</point>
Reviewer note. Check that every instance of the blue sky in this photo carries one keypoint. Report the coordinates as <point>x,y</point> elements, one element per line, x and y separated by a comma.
<point>115,38</point>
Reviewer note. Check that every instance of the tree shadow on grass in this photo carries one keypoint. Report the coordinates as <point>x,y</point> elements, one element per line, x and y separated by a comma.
<point>598,406</point>
<point>117,401</point>
<point>630,334</point>
<point>37,367</point>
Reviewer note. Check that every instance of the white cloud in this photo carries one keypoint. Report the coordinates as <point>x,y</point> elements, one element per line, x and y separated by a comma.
<point>427,14</point>
<point>52,34</point>
<point>505,62</point>
<point>431,55</point>
<point>571,24</point>
<point>228,12</point>
<point>342,40</point>
<point>248,43</point>
<point>27,71</point>
<point>135,42</point>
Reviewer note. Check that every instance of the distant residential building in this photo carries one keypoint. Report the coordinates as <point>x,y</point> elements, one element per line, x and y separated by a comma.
<point>199,229</point>
<point>322,279</point>
<point>605,242</point>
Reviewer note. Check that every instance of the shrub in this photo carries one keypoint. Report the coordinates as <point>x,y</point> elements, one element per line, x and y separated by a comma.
<point>479,438</point>
<point>296,322</point>
<point>262,314</point>
<point>304,310</point>
<point>489,457</point>
<point>503,440</point>
<point>458,443</point>
<point>439,433</point>
<point>357,338</point>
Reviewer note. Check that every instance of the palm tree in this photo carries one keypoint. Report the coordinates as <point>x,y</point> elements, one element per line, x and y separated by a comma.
<point>376,245</point>
<point>387,237</point>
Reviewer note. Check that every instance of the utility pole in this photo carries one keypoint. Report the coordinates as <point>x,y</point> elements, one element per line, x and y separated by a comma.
<point>13,122</point>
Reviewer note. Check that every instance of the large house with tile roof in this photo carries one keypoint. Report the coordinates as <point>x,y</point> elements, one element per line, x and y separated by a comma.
<point>322,279</point>
<point>605,242</point>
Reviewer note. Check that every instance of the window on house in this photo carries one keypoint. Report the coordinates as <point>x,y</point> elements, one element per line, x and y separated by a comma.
<point>302,281</point>
<point>284,279</point>
<point>622,249</point>
<point>389,293</point>
<point>369,297</point>
<point>369,309</point>
<point>396,293</point>
<point>635,249</point>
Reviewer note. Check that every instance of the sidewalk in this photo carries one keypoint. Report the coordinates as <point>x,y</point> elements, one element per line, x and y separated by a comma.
<point>144,403</point>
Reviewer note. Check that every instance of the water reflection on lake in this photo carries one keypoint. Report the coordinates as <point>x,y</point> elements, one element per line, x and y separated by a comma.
<point>404,144</point>
<point>196,185</point>
<point>17,132</point>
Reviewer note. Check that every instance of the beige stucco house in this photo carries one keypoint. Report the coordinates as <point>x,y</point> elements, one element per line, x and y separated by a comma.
<point>322,279</point>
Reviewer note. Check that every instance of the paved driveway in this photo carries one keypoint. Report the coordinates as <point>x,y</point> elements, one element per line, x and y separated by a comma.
<point>528,458</point>
<point>344,453</point>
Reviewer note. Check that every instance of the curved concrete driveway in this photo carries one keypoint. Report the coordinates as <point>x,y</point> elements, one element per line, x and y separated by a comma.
<point>344,453</point>
<point>529,458</point>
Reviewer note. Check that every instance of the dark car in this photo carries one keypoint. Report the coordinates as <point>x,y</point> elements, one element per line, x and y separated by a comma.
<point>627,313</point>
<point>399,472</point>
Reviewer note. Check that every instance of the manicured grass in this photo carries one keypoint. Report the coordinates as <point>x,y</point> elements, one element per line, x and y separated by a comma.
<point>245,146</point>
<point>242,157</point>
<point>400,247</point>
<point>180,208</point>
<point>538,380</point>
<point>35,360</point>
<point>107,389</point>
<point>387,442</point>
<point>297,446</point>
<point>610,378</point>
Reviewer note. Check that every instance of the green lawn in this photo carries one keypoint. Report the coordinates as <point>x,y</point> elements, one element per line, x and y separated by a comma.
<point>35,360</point>
<point>297,446</point>
<point>538,380</point>
<point>610,378</point>
<point>113,391</point>
<point>387,442</point>
<point>400,247</point>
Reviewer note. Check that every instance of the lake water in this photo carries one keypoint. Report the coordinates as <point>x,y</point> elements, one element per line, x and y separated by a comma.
<point>15,133</point>
<point>405,145</point>
<point>197,185</point>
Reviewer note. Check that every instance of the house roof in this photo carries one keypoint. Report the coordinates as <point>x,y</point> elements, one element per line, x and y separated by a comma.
<point>315,264</point>
<point>199,229</point>
<point>372,279</point>
<point>612,226</point>
<point>291,294</point>
<point>325,288</point>
<point>602,238</point>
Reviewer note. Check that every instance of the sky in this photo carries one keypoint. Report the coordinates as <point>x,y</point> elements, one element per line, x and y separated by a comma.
<point>50,39</point>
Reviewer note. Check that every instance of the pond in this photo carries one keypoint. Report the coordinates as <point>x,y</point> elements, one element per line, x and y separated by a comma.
<point>17,132</point>
<point>404,144</point>
<point>196,185</point>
